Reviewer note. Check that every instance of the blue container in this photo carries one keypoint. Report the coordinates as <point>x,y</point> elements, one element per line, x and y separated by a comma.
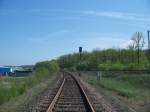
<point>4,70</point>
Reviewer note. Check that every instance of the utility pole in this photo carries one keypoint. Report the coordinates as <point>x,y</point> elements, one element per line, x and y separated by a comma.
<point>138,48</point>
<point>119,55</point>
<point>148,32</point>
<point>148,51</point>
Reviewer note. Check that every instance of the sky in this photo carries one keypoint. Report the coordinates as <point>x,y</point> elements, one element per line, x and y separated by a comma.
<point>37,30</point>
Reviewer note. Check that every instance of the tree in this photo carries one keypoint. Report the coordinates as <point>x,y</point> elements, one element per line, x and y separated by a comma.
<point>138,42</point>
<point>131,48</point>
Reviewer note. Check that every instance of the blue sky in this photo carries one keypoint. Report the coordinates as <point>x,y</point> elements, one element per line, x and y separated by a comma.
<point>36,30</point>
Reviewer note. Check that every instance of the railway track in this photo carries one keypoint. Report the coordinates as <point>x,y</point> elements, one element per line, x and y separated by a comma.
<point>70,97</point>
<point>68,94</point>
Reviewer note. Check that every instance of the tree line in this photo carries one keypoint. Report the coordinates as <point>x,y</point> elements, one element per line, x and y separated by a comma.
<point>133,57</point>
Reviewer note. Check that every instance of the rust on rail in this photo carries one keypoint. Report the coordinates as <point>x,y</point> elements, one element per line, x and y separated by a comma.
<point>88,104</point>
<point>50,109</point>
<point>84,94</point>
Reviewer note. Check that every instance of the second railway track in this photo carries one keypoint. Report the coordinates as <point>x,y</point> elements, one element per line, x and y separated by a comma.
<point>70,97</point>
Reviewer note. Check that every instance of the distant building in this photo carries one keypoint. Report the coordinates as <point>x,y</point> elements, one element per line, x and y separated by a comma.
<point>15,71</point>
<point>17,68</point>
<point>4,71</point>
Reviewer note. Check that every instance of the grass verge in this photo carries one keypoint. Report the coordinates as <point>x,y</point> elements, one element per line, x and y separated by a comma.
<point>16,104</point>
<point>132,89</point>
<point>13,87</point>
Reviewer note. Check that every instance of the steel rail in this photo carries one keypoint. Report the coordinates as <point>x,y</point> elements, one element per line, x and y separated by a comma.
<point>50,108</point>
<point>87,101</point>
<point>90,107</point>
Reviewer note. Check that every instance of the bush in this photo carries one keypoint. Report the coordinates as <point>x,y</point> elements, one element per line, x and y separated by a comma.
<point>136,66</point>
<point>83,66</point>
<point>120,66</point>
<point>22,88</point>
<point>42,71</point>
<point>4,95</point>
<point>110,66</point>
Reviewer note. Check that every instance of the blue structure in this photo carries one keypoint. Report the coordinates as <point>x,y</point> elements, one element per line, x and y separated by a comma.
<point>5,70</point>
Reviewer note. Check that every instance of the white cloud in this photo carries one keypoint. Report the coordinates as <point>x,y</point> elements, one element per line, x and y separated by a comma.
<point>110,14</point>
<point>119,15</point>
<point>103,41</point>
<point>125,44</point>
<point>89,40</point>
<point>48,37</point>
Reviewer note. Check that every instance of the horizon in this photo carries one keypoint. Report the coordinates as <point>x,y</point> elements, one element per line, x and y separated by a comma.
<point>37,30</point>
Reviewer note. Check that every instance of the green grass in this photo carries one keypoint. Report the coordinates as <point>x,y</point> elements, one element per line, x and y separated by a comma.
<point>17,103</point>
<point>122,88</point>
<point>13,87</point>
<point>130,86</point>
<point>130,91</point>
<point>10,88</point>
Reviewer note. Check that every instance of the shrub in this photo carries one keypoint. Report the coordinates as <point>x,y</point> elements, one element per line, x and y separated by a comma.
<point>4,95</point>
<point>110,66</point>
<point>42,71</point>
